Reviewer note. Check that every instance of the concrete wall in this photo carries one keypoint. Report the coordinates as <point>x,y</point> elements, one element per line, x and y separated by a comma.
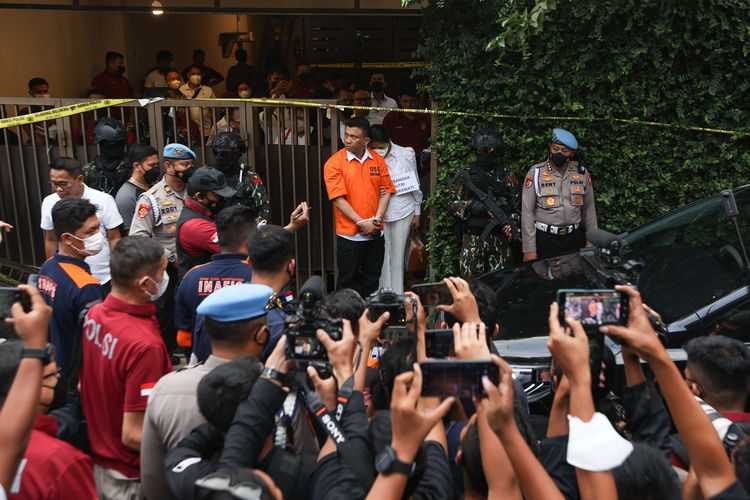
<point>66,48</point>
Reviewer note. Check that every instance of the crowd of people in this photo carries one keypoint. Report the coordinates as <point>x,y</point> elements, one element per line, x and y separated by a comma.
<point>167,352</point>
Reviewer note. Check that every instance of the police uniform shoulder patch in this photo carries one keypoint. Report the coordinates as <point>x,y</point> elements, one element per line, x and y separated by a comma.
<point>143,210</point>
<point>529,181</point>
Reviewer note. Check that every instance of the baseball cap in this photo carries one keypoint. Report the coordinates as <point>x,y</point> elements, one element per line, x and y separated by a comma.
<point>210,179</point>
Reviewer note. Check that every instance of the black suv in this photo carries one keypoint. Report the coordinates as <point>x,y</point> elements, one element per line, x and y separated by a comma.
<point>689,265</point>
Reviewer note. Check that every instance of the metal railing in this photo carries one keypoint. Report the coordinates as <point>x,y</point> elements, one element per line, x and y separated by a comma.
<point>287,145</point>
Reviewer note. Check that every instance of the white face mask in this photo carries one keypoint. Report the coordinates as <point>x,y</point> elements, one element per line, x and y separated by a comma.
<point>244,94</point>
<point>301,126</point>
<point>174,84</point>
<point>91,245</point>
<point>41,96</point>
<point>161,287</point>
<point>381,152</point>
<point>195,79</point>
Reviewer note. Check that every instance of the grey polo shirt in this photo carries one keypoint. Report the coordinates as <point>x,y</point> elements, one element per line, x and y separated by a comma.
<point>171,415</point>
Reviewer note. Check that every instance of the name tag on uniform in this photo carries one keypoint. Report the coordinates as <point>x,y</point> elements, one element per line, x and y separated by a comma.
<point>406,183</point>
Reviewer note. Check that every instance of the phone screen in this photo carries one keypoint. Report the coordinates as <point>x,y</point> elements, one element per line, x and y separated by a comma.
<point>593,308</point>
<point>462,379</point>
<point>433,294</point>
<point>438,343</point>
<point>8,296</point>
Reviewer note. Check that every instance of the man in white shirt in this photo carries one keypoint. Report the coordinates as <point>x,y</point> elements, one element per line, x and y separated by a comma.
<point>404,208</point>
<point>66,179</point>
<point>194,90</point>
<point>157,77</point>
<point>379,99</point>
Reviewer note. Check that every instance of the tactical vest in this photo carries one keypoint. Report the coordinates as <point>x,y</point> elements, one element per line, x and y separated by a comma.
<point>185,261</point>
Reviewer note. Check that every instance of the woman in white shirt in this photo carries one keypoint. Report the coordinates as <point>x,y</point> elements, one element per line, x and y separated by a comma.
<point>404,208</point>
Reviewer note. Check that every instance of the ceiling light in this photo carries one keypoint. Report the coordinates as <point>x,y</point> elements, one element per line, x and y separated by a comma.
<point>156,8</point>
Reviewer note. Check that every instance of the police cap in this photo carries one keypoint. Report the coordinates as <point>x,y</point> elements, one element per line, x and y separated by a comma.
<point>178,151</point>
<point>236,303</point>
<point>210,179</point>
<point>564,138</point>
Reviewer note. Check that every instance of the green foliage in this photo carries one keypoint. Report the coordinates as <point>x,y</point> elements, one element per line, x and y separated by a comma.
<point>660,60</point>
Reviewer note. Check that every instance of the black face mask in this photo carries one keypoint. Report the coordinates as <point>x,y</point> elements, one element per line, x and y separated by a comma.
<point>59,395</point>
<point>304,77</point>
<point>184,175</point>
<point>487,159</point>
<point>377,86</point>
<point>227,161</point>
<point>151,176</point>
<point>558,159</point>
<point>112,149</point>
<point>216,206</point>
<point>121,69</point>
<point>347,113</point>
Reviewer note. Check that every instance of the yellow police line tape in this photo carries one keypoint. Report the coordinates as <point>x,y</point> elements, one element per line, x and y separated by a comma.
<point>415,64</point>
<point>82,107</point>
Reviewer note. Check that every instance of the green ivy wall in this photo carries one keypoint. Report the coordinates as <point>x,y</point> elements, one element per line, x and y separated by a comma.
<point>678,62</point>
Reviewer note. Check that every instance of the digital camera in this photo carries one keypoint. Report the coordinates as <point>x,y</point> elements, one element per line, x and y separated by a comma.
<point>310,316</point>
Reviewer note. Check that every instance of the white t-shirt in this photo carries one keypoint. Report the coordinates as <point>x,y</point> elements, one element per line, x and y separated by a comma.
<point>109,216</point>
<point>155,80</point>
<point>376,117</point>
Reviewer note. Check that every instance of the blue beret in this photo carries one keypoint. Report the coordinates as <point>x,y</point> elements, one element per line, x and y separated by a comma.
<point>236,303</point>
<point>565,138</point>
<point>178,152</point>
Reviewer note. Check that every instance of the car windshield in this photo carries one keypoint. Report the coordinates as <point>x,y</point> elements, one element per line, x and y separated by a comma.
<point>692,256</point>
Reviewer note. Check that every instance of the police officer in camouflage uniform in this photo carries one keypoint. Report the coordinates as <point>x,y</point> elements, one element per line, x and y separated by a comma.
<point>485,202</point>
<point>108,171</point>
<point>557,202</point>
<point>228,148</point>
<point>156,214</point>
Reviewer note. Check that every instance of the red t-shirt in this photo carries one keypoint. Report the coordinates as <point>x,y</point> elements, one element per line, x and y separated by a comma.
<point>117,86</point>
<point>199,236</point>
<point>123,357</point>
<point>52,468</point>
<point>414,133</point>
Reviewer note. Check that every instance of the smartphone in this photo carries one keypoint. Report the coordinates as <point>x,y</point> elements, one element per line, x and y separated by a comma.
<point>438,343</point>
<point>8,297</point>
<point>433,294</point>
<point>593,308</point>
<point>459,378</point>
<point>301,214</point>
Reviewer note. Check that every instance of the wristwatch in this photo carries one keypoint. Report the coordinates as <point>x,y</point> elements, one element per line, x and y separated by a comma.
<point>387,463</point>
<point>45,355</point>
<point>273,374</point>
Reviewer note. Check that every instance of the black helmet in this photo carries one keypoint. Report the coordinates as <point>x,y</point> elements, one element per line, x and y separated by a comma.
<point>229,140</point>
<point>111,130</point>
<point>486,138</point>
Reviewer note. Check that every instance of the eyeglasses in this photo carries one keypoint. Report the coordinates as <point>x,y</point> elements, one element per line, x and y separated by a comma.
<point>692,381</point>
<point>61,185</point>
